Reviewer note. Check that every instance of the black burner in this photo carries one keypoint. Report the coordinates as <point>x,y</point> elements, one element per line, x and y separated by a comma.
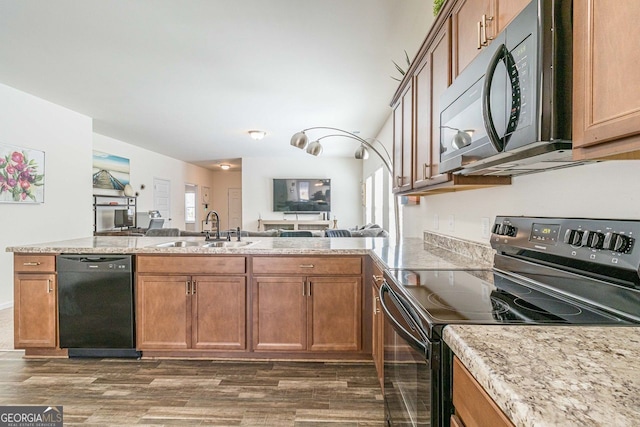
<point>548,305</point>
<point>460,302</point>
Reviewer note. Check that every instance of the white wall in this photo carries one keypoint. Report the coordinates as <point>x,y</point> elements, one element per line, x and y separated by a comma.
<point>146,165</point>
<point>257,186</point>
<point>599,190</point>
<point>65,137</point>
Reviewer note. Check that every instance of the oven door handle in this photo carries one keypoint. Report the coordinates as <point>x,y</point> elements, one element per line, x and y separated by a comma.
<point>501,54</point>
<point>425,346</point>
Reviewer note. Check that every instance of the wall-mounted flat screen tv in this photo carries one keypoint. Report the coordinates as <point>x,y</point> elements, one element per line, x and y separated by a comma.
<point>301,195</point>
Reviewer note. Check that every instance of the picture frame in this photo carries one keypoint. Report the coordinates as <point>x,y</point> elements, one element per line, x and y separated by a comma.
<point>22,175</point>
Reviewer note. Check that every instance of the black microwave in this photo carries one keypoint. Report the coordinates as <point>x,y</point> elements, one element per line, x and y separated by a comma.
<point>509,111</point>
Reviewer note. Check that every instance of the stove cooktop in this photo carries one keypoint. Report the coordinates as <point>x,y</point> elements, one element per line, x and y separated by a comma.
<point>486,297</point>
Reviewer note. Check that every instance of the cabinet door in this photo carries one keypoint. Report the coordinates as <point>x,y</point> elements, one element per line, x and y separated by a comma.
<point>505,11</point>
<point>279,313</point>
<point>606,85</point>
<point>335,313</point>
<point>35,311</point>
<point>163,312</point>
<point>466,17</point>
<point>432,78</point>
<point>403,141</point>
<point>219,313</point>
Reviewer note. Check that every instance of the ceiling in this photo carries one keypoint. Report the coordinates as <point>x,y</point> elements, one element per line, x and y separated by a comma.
<point>190,78</point>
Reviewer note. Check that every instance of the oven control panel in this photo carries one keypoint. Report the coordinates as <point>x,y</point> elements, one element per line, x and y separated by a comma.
<point>601,241</point>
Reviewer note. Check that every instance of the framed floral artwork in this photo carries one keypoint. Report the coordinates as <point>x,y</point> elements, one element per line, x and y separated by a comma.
<point>21,175</point>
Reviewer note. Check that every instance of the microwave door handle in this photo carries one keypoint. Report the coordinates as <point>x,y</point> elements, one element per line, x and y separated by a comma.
<point>497,142</point>
<point>401,330</point>
<point>516,100</point>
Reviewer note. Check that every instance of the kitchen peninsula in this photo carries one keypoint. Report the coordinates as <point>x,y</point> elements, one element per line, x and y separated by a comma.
<point>480,348</point>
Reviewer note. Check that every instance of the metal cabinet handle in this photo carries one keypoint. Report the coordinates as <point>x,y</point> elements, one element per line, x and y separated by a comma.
<point>485,39</point>
<point>306,266</point>
<point>194,284</point>
<point>31,264</point>
<point>479,35</point>
<point>49,288</point>
<point>187,287</point>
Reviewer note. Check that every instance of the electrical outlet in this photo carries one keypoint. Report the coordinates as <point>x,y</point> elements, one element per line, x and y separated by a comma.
<point>452,223</point>
<point>485,227</point>
<point>436,222</point>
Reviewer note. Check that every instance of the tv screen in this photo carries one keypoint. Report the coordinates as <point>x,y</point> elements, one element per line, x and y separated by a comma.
<point>301,195</point>
<point>123,218</point>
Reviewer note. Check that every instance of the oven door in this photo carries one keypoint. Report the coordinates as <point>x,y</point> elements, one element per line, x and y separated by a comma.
<point>410,363</point>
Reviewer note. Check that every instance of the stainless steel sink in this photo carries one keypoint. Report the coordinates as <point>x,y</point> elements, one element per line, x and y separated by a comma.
<point>226,244</point>
<point>201,244</point>
<point>178,244</point>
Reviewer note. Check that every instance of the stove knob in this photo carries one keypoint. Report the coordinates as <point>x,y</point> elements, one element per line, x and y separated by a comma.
<point>617,242</point>
<point>509,230</point>
<point>593,239</point>
<point>573,237</point>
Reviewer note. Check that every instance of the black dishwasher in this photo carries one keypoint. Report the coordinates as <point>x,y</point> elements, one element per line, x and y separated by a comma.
<point>95,305</point>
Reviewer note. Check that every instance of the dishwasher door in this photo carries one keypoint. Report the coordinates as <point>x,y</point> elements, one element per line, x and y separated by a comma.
<point>95,305</point>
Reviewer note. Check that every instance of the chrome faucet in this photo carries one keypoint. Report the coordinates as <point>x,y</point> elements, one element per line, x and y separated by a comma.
<point>206,221</point>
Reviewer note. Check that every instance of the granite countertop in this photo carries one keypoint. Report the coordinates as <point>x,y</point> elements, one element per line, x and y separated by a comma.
<point>555,375</point>
<point>408,253</point>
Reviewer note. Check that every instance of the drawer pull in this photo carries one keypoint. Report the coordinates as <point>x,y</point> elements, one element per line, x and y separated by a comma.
<point>306,266</point>
<point>31,264</point>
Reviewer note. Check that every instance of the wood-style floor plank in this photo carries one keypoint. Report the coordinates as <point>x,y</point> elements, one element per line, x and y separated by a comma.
<point>109,392</point>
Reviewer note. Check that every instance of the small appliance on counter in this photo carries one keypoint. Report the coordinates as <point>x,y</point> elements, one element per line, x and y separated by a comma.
<point>547,271</point>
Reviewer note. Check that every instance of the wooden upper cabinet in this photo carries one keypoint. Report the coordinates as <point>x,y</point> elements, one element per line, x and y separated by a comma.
<point>506,10</point>
<point>466,19</point>
<point>475,23</point>
<point>431,80</point>
<point>606,82</point>
<point>403,140</point>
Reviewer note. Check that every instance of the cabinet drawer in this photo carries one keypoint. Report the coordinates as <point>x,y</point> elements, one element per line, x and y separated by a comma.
<point>34,263</point>
<point>307,265</point>
<point>191,264</point>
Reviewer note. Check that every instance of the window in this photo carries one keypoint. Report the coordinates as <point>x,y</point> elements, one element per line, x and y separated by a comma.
<point>368,199</point>
<point>189,208</point>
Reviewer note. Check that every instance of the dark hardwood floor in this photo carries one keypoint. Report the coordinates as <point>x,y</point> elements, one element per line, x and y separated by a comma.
<point>195,392</point>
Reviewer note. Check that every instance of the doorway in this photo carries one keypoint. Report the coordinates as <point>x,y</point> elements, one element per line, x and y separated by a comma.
<point>162,199</point>
<point>234,196</point>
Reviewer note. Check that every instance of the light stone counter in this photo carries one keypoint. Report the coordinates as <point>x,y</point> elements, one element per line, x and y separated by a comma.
<point>555,375</point>
<point>409,253</point>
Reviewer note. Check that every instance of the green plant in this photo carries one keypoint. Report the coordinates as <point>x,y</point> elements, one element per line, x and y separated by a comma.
<point>399,68</point>
<point>437,5</point>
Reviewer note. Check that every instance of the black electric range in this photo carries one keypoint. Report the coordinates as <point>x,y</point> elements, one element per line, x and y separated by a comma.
<point>546,271</point>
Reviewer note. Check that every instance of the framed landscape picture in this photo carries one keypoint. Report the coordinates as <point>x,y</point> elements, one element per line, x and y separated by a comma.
<point>110,172</point>
<point>21,175</point>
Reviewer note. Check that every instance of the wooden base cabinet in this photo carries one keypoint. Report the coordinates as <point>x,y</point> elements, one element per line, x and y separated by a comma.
<point>35,302</point>
<point>296,312</point>
<point>191,312</point>
<point>205,310</point>
<point>473,406</point>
